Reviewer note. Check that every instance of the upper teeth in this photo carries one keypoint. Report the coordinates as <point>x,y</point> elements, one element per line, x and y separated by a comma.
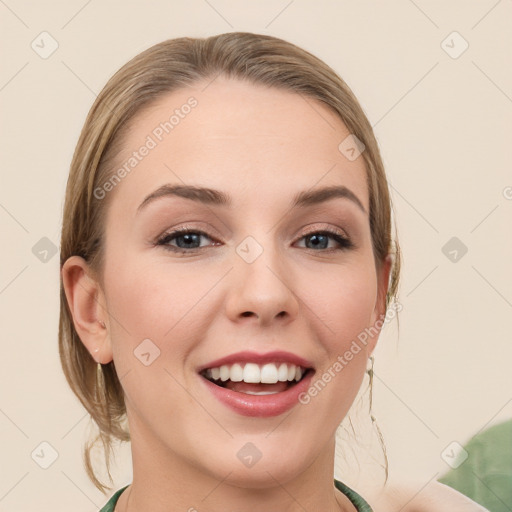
<point>269,373</point>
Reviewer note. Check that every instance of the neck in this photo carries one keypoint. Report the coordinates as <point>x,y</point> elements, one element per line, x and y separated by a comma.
<point>165,482</point>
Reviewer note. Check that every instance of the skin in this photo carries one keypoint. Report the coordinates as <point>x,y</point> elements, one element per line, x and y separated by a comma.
<point>261,146</point>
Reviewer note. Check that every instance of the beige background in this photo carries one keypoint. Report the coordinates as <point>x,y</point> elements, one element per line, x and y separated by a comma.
<point>444,128</point>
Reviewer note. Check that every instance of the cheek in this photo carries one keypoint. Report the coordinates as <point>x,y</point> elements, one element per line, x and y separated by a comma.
<point>160,301</point>
<point>340,308</point>
<point>152,298</point>
<point>341,299</point>
<point>152,308</point>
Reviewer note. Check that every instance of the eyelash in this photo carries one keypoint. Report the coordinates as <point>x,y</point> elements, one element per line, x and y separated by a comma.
<point>344,242</point>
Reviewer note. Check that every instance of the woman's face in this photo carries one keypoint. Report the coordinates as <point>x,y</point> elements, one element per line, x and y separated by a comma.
<point>256,273</point>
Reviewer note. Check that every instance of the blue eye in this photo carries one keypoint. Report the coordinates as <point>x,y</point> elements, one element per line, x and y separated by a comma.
<point>189,241</point>
<point>186,240</point>
<point>320,239</point>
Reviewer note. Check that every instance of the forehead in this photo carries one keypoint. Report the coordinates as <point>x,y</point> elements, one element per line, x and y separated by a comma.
<point>251,141</point>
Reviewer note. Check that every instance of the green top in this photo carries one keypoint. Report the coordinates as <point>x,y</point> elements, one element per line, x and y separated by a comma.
<point>486,475</point>
<point>356,500</point>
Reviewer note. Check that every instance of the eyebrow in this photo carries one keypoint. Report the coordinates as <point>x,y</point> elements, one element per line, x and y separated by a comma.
<point>217,198</point>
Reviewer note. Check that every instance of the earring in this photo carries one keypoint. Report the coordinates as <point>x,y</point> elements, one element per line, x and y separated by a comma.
<point>369,371</point>
<point>99,382</point>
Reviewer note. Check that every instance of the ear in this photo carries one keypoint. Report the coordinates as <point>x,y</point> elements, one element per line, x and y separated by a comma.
<point>379,311</point>
<point>87,304</point>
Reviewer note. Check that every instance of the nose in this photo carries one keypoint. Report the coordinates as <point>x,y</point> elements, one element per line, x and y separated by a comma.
<point>261,291</point>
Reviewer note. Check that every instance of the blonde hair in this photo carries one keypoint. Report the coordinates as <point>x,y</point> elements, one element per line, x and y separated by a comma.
<point>161,69</point>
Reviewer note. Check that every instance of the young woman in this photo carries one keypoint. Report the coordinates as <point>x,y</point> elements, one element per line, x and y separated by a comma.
<point>227,264</point>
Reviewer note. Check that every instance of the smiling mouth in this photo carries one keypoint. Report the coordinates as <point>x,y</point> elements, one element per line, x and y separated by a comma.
<point>249,382</point>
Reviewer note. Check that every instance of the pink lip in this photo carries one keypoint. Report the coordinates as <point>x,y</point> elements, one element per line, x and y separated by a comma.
<point>260,405</point>
<point>253,357</point>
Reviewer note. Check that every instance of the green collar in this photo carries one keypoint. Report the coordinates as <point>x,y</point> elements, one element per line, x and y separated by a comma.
<point>358,502</point>
<point>354,498</point>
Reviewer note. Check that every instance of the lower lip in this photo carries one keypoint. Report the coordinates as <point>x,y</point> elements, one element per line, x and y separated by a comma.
<point>260,405</point>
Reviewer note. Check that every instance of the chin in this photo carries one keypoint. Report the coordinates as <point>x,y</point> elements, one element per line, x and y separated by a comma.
<point>254,468</point>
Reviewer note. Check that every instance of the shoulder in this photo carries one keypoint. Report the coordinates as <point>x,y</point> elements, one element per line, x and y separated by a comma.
<point>418,497</point>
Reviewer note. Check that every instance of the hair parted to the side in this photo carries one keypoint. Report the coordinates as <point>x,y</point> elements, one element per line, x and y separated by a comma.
<point>159,70</point>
